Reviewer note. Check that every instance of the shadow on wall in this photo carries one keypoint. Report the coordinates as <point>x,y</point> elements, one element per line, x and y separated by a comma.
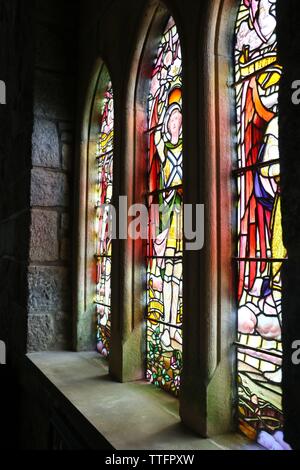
<point>9,408</point>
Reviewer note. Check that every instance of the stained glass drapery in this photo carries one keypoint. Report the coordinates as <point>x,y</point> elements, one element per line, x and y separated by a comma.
<point>104,186</point>
<point>260,250</point>
<point>164,256</point>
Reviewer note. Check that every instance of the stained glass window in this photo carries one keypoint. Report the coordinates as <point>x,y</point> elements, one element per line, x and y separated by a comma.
<point>164,251</point>
<point>260,250</point>
<point>104,187</point>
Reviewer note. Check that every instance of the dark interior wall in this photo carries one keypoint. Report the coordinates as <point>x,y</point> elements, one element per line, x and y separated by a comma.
<point>16,69</point>
<point>49,275</point>
<point>38,63</point>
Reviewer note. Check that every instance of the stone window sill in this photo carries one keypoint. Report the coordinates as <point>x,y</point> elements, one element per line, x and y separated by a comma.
<point>129,416</point>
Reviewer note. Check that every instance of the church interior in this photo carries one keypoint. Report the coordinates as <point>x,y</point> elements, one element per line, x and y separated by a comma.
<point>150,225</point>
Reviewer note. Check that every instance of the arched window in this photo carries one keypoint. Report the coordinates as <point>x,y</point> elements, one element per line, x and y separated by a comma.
<point>95,173</point>
<point>260,251</point>
<point>103,193</point>
<point>164,193</point>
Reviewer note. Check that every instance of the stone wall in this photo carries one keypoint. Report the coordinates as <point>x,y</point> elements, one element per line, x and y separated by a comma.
<point>49,276</point>
<point>38,63</point>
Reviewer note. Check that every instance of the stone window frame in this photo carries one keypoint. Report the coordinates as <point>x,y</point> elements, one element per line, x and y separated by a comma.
<point>208,389</point>
<point>215,412</point>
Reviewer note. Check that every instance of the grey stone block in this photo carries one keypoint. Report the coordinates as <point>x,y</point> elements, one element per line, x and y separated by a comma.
<point>49,188</point>
<point>44,234</point>
<point>48,288</point>
<point>41,333</point>
<point>45,144</point>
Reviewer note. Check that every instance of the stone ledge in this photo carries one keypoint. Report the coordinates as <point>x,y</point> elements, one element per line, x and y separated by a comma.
<point>131,416</point>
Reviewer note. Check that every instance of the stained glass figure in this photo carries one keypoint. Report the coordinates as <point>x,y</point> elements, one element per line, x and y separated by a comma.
<point>104,187</point>
<point>260,250</point>
<point>164,257</point>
